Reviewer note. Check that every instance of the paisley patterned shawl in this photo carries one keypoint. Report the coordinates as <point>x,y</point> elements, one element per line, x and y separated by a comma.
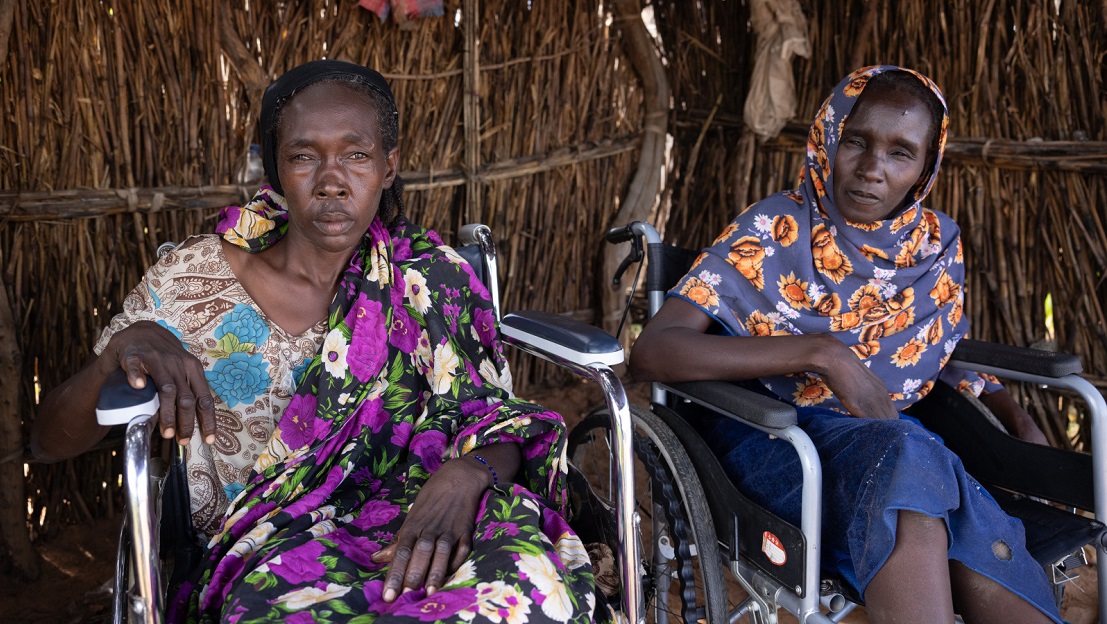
<point>792,264</point>
<point>411,373</point>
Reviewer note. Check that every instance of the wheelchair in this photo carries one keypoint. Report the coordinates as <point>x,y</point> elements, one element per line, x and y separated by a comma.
<point>157,548</point>
<point>777,563</point>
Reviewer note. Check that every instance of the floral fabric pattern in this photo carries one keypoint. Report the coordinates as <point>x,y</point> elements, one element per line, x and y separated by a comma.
<point>410,374</point>
<point>251,364</point>
<point>791,264</point>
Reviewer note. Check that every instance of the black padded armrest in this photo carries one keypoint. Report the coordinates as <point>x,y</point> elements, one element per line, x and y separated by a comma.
<point>1019,359</point>
<point>737,402</point>
<point>562,336</point>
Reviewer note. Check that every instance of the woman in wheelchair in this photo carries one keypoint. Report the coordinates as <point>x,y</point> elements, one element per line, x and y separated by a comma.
<point>844,297</point>
<point>354,448</point>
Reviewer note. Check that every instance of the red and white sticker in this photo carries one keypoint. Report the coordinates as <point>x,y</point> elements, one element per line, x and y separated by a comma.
<point>773,549</point>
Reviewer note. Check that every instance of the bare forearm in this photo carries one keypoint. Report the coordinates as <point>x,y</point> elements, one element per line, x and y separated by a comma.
<point>65,423</point>
<point>684,354</point>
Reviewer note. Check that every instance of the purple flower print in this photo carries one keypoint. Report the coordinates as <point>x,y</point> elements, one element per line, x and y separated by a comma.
<point>434,238</point>
<point>300,617</point>
<point>401,249</point>
<point>367,352</point>
<point>375,513</point>
<point>440,606</point>
<point>485,323</point>
<point>401,434</point>
<point>474,376</point>
<point>496,529</point>
<point>452,311</point>
<point>404,334</point>
<point>539,446</point>
<point>301,564</point>
<point>428,447</point>
<point>369,414</point>
<point>298,422</point>
<point>356,549</point>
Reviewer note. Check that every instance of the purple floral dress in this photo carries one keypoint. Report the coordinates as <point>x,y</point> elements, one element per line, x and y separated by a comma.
<point>411,373</point>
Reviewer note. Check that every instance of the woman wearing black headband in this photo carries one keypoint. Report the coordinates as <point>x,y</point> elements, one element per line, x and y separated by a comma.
<point>354,446</point>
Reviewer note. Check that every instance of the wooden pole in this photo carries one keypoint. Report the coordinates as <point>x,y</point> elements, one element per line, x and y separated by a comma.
<point>644,188</point>
<point>13,502</point>
<point>471,114</point>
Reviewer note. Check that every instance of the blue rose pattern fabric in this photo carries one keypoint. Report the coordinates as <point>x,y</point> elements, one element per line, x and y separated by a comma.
<point>411,373</point>
<point>251,364</point>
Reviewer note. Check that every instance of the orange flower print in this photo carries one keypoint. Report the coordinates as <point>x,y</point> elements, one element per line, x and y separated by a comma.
<point>794,196</point>
<point>903,299</point>
<point>829,260</point>
<point>730,229</point>
<point>828,304</point>
<point>820,187</point>
<point>934,332</point>
<point>746,255</point>
<point>866,350</point>
<point>926,388</point>
<point>933,227</point>
<point>875,314</point>
<point>945,290</point>
<point>822,159</point>
<point>700,292</point>
<point>785,230</point>
<point>904,219</point>
<point>899,322</point>
<point>906,255</point>
<point>868,227</point>
<point>700,258</point>
<point>817,137</point>
<point>794,291</point>
<point>865,297</point>
<point>909,354</point>
<point>955,313</point>
<point>873,252</point>
<point>811,391</point>
<point>872,333</point>
<point>845,322</point>
<point>759,324</point>
<point>857,85</point>
<point>959,256</point>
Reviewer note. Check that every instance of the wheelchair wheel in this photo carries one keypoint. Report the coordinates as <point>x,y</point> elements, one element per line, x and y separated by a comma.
<point>681,566</point>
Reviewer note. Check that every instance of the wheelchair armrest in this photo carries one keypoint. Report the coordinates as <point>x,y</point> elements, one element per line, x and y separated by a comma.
<point>737,402</point>
<point>1019,359</point>
<point>555,337</point>
<point>119,402</point>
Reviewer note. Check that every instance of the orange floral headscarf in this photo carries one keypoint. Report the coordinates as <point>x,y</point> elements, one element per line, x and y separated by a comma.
<point>891,290</point>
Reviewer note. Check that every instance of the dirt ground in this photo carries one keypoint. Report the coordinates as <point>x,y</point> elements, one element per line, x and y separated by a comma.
<point>77,565</point>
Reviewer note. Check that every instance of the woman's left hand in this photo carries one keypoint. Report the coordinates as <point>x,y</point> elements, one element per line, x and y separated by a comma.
<point>437,535</point>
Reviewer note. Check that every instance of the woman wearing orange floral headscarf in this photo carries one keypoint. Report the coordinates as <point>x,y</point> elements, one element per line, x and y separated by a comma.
<point>844,297</point>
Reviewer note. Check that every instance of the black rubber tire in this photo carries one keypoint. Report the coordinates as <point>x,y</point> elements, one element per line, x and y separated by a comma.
<point>701,590</point>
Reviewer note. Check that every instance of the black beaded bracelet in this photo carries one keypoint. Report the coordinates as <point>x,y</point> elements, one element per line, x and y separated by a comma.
<point>495,479</point>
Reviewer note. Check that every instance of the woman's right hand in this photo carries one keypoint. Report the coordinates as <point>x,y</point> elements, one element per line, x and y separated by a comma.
<point>859,389</point>
<point>146,348</point>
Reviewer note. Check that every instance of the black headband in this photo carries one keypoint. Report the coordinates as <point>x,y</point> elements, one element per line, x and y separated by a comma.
<point>297,78</point>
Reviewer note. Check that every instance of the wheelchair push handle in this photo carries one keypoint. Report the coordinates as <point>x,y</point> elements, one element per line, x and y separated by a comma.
<point>119,402</point>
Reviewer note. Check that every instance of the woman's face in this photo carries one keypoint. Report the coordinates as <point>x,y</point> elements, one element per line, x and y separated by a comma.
<point>881,156</point>
<point>332,165</point>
